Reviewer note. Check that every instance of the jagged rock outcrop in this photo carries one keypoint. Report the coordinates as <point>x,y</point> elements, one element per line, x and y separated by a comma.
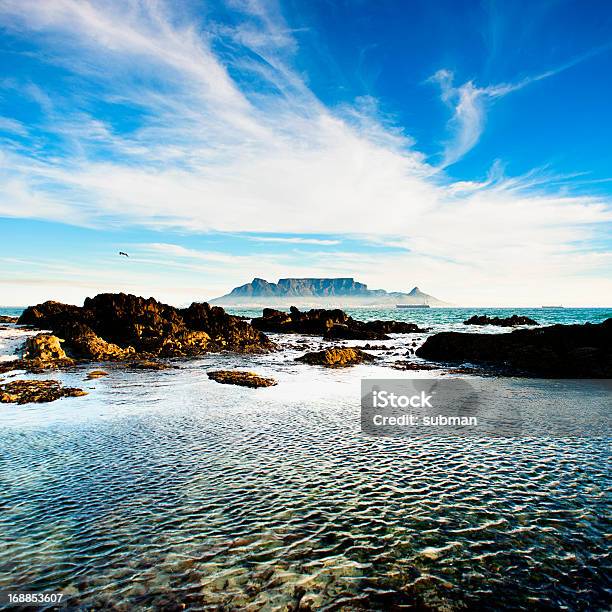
<point>316,321</point>
<point>84,343</point>
<point>512,321</point>
<point>337,357</point>
<point>558,351</point>
<point>44,347</point>
<point>118,326</point>
<point>332,324</point>
<point>241,378</point>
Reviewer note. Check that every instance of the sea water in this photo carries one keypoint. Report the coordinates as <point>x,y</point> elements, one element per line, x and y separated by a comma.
<point>162,488</point>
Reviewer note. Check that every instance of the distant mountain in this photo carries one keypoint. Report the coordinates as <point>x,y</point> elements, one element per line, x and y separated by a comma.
<point>319,292</point>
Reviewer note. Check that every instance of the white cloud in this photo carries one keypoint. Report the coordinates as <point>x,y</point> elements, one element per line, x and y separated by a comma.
<point>294,240</point>
<point>469,104</point>
<point>233,141</point>
<point>12,126</point>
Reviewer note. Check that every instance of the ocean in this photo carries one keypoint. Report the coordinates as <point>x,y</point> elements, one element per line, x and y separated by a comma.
<point>163,488</point>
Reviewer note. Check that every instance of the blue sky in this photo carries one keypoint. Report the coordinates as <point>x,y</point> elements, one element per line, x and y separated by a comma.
<point>460,146</point>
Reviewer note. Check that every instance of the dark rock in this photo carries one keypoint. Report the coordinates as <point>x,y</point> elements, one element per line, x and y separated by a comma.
<point>332,324</point>
<point>119,327</point>
<point>272,312</point>
<point>505,322</point>
<point>83,342</point>
<point>315,321</point>
<point>342,331</point>
<point>336,357</point>
<point>558,351</point>
<point>8,319</point>
<point>226,331</point>
<point>26,391</point>
<point>242,378</point>
<point>393,327</point>
<point>49,311</point>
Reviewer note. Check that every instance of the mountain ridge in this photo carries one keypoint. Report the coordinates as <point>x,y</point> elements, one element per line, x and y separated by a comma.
<point>316,290</point>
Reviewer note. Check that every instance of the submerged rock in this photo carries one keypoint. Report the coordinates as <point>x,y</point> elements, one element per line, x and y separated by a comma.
<point>332,324</point>
<point>38,391</point>
<point>149,364</point>
<point>558,351</point>
<point>36,366</point>
<point>336,357</point>
<point>502,322</point>
<point>44,347</point>
<point>117,326</point>
<point>242,378</point>
<point>416,366</point>
<point>97,374</point>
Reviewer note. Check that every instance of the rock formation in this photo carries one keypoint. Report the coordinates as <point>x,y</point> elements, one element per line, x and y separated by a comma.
<point>26,391</point>
<point>241,378</point>
<point>558,351</point>
<point>116,326</point>
<point>44,347</point>
<point>331,324</point>
<point>512,321</point>
<point>336,357</point>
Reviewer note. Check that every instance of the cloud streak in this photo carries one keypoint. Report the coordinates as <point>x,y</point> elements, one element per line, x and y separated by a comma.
<point>469,104</point>
<point>228,137</point>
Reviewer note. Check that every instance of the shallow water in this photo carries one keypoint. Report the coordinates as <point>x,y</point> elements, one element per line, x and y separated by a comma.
<point>160,488</point>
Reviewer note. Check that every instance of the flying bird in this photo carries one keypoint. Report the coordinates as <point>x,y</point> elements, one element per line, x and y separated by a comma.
<point>122,253</point>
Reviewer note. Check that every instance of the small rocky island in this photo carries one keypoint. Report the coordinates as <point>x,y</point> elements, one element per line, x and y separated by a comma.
<point>332,324</point>
<point>512,321</point>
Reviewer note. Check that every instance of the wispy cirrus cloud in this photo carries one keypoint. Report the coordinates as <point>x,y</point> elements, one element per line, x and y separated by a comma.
<point>469,103</point>
<point>227,136</point>
<point>295,240</point>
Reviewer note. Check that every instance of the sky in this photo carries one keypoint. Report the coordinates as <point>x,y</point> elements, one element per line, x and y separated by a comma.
<point>460,146</point>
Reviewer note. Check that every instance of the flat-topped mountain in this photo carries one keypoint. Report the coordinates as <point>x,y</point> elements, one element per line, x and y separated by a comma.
<point>320,291</point>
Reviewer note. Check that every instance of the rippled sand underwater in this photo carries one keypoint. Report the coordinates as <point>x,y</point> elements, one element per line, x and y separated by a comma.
<point>163,489</point>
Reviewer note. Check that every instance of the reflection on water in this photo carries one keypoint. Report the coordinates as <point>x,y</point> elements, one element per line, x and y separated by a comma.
<point>162,488</point>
